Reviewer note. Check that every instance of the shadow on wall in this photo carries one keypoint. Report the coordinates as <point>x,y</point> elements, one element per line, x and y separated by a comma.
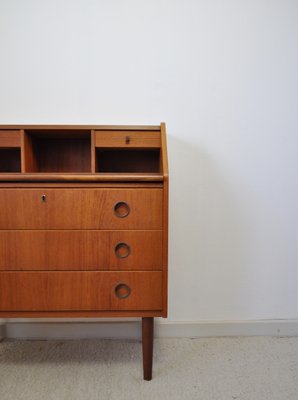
<point>207,238</point>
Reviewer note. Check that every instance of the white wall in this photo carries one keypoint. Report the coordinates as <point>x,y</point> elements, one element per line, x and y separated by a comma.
<point>223,75</point>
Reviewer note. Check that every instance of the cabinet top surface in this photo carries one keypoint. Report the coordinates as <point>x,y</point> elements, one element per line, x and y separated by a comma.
<point>84,127</point>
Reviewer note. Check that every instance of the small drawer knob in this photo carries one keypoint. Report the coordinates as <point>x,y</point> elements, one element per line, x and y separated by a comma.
<point>122,250</point>
<point>121,209</point>
<point>43,198</point>
<point>122,290</point>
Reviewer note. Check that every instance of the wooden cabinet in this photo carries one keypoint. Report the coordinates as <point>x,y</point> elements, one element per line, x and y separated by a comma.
<point>84,223</point>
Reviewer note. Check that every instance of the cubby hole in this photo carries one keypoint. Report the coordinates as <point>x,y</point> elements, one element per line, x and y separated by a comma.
<point>129,161</point>
<point>10,160</point>
<point>55,151</point>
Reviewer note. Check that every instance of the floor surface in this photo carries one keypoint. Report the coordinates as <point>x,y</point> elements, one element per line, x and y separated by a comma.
<point>246,368</point>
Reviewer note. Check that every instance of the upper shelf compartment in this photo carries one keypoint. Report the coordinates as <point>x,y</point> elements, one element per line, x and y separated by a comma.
<point>128,151</point>
<point>83,153</point>
<point>57,151</point>
<point>10,151</point>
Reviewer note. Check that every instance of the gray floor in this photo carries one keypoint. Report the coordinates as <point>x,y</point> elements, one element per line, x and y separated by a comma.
<point>251,368</point>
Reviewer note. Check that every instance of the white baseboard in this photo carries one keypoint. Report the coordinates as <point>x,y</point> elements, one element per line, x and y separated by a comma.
<point>113,329</point>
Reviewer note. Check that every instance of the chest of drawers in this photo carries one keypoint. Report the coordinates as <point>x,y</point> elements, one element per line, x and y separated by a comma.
<point>84,224</point>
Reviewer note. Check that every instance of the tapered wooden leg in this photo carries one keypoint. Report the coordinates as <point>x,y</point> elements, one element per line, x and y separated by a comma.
<point>147,343</point>
<point>2,332</point>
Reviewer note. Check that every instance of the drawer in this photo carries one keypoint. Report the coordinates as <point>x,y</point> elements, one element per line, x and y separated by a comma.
<point>10,139</point>
<point>127,139</point>
<point>81,208</point>
<point>80,250</point>
<point>80,291</point>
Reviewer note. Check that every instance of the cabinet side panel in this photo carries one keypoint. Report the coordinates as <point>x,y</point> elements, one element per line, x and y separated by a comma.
<point>165,219</point>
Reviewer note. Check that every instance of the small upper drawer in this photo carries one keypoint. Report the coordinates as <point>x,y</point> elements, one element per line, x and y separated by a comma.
<point>10,139</point>
<point>81,208</point>
<point>128,139</point>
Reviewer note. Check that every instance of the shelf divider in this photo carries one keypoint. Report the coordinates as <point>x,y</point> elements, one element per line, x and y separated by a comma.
<point>93,152</point>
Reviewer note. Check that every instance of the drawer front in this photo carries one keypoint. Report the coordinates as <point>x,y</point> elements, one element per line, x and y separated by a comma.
<point>80,291</point>
<point>80,250</point>
<point>10,139</point>
<point>81,208</point>
<point>53,250</point>
<point>127,139</point>
<point>135,250</point>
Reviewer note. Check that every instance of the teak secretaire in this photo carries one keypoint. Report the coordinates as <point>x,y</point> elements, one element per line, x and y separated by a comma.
<point>84,223</point>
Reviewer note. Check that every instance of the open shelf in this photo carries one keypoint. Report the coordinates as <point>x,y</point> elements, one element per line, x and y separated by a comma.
<point>52,151</point>
<point>128,161</point>
<point>10,160</point>
<point>82,154</point>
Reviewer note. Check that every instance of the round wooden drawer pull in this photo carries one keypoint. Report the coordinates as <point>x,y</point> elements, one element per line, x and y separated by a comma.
<point>121,209</point>
<point>122,290</point>
<point>122,250</point>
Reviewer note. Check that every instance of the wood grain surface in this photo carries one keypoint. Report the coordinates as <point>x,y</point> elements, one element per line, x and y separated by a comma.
<point>79,250</point>
<point>127,139</point>
<point>79,208</point>
<point>10,139</point>
<point>66,291</point>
